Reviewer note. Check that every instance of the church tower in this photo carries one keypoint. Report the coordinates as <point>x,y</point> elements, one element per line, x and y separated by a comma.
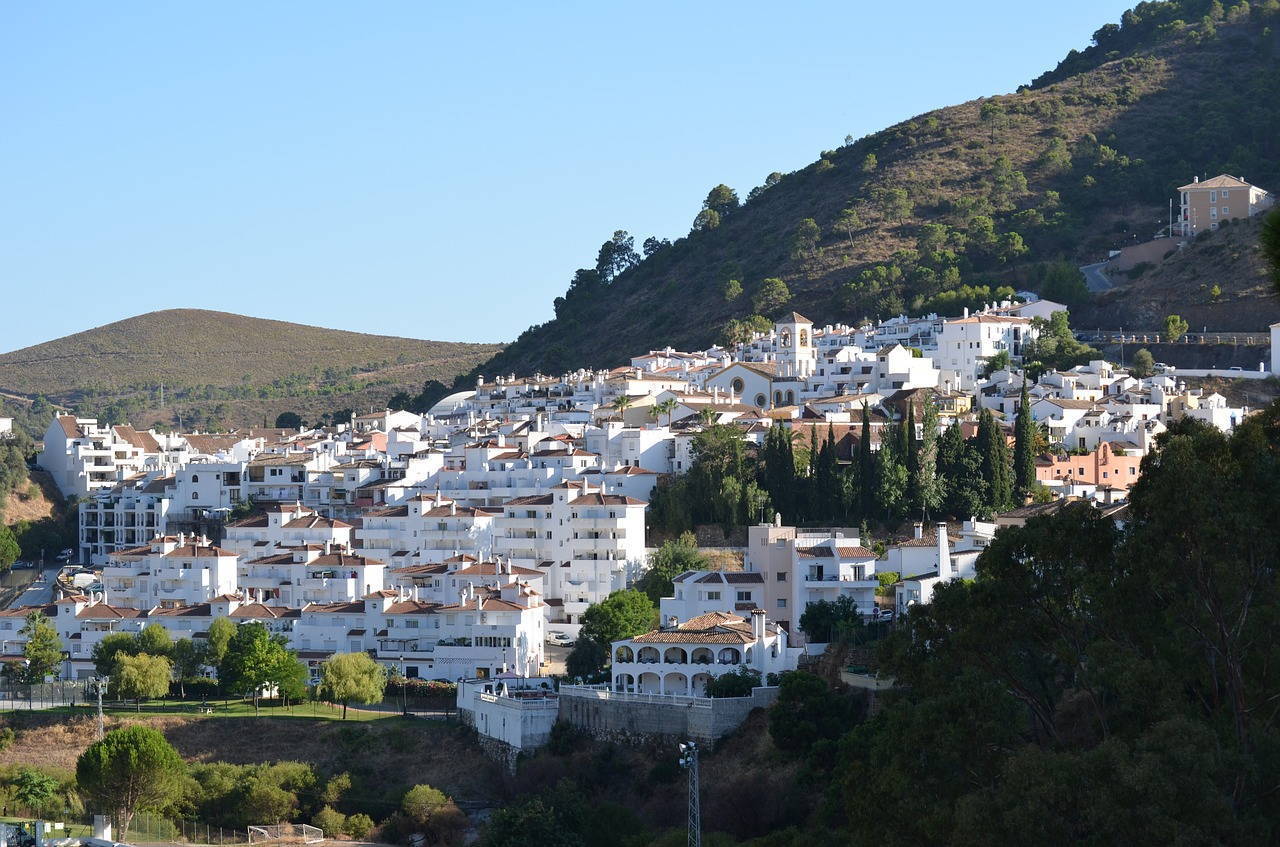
<point>797,357</point>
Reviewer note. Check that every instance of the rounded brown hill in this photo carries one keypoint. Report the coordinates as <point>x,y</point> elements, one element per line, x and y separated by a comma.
<point>200,347</point>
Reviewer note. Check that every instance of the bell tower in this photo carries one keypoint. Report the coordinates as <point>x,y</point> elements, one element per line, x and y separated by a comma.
<point>797,357</point>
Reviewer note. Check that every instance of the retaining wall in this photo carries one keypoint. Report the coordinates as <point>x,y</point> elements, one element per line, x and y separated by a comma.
<point>640,718</point>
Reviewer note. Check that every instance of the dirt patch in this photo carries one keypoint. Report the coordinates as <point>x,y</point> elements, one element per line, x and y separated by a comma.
<point>36,500</point>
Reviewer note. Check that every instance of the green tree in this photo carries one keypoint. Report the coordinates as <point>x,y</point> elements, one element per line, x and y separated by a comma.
<point>772,296</point>
<point>359,826</point>
<point>252,660</point>
<point>129,769</point>
<point>9,548</point>
<point>866,465</point>
<point>1143,364</point>
<point>808,711</point>
<point>141,677</point>
<point>154,640</point>
<point>926,484</point>
<point>804,239</point>
<point>722,200</point>
<point>109,649</point>
<point>961,469</point>
<point>736,683</point>
<point>1269,242</point>
<point>622,614</point>
<point>188,659</point>
<point>616,255</point>
<point>330,821</point>
<point>993,451</point>
<point>732,290</point>
<point>891,478</point>
<point>34,790</point>
<point>290,420</point>
<point>433,814</point>
<point>673,558</point>
<point>1024,460</point>
<point>705,221</point>
<point>586,659</point>
<point>847,222</point>
<point>347,677</point>
<point>42,650</point>
<point>869,163</point>
<point>1175,327</point>
<point>219,638</point>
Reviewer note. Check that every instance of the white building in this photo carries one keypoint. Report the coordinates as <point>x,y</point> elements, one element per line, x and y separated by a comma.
<point>589,543</point>
<point>698,592</point>
<point>681,658</point>
<point>518,711</point>
<point>426,529</point>
<point>169,571</point>
<point>83,456</point>
<point>966,344</point>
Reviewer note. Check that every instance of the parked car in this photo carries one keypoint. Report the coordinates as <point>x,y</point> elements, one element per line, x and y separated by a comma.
<point>560,639</point>
<point>21,565</point>
<point>884,614</point>
<point>66,555</point>
<point>1235,368</point>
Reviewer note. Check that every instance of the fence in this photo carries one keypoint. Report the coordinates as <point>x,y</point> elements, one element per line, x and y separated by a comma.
<point>44,695</point>
<point>146,828</point>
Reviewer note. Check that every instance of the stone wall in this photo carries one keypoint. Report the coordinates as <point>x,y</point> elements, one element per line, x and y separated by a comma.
<point>640,718</point>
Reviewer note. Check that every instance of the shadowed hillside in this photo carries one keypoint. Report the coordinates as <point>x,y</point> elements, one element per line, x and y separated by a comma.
<point>1014,190</point>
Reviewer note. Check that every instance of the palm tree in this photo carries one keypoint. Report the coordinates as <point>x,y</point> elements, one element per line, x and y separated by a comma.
<point>708,415</point>
<point>621,404</point>
<point>666,407</point>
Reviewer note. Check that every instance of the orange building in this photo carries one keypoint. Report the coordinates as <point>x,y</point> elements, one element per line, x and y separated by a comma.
<point>1101,467</point>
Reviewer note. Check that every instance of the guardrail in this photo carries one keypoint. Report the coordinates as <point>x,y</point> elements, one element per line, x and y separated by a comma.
<point>1106,336</point>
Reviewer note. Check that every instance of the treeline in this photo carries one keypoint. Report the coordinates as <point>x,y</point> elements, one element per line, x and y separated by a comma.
<point>916,470</point>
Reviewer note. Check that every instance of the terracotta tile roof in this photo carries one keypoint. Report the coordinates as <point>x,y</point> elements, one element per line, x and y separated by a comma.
<point>534,500</point>
<point>413,607</point>
<point>606,500</point>
<point>102,611</point>
<point>711,628</point>
<point>69,426</point>
<point>143,440</point>
<point>198,551</point>
<point>1220,181</point>
<point>491,569</point>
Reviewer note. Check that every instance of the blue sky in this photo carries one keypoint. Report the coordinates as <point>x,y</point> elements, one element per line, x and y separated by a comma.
<point>424,169</point>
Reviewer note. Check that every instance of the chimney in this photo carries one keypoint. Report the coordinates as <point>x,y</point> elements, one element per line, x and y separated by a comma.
<point>944,553</point>
<point>917,531</point>
<point>673,622</point>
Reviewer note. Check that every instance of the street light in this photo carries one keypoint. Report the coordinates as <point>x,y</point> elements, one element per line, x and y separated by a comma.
<point>100,683</point>
<point>689,761</point>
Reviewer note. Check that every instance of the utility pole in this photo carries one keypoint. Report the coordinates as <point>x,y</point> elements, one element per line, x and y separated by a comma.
<point>689,761</point>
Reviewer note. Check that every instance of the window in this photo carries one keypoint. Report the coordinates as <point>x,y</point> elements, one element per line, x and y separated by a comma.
<point>737,385</point>
<point>1213,197</point>
<point>761,400</point>
<point>782,575</point>
<point>195,477</point>
<point>1225,193</point>
<point>804,334</point>
<point>744,596</point>
<point>782,602</point>
<point>1226,210</point>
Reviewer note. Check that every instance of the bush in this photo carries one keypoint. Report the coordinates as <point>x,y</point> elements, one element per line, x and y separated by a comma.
<point>737,683</point>
<point>331,821</point>
<point>359,826</point>
<point>7,737</point>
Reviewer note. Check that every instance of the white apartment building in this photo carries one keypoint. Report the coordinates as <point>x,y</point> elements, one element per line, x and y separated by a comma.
<point>681,658</point>
<point>589,543</point>
<point>309,573</point>
<point>124,516</point>
<point>965,345</point>
<point>83,456</point>
<point>800,566</point>
<point>169,571</point>
<point>426,529</point>
<point>285,525</point>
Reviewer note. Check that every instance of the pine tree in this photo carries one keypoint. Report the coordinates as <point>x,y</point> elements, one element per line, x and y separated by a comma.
<point>1024,462</point>
<point>993,453</point>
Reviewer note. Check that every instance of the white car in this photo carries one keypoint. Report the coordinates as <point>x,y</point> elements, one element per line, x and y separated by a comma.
<point>560,639</point>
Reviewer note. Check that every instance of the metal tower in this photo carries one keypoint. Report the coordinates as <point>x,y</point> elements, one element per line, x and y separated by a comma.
<point>689,761</point>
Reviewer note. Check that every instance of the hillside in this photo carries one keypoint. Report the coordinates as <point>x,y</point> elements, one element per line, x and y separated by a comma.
<point>221,369</point>
<point>1014,190</point>
<point>1183,284</point>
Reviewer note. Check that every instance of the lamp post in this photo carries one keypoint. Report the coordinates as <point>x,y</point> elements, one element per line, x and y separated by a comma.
<point>99,684</point>
<point>404,684</point>
<point>689,761</point>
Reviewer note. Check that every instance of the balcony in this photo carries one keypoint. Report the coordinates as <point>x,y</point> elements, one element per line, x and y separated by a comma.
<point>597,543</point>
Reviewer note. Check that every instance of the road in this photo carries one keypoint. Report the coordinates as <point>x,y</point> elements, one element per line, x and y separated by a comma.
<point>1095,279</point>
<point>39,593</point>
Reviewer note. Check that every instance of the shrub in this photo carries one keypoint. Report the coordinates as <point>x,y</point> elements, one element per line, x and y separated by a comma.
<point>330,820</point>
<point>359,826</point>
<point>738,683</point>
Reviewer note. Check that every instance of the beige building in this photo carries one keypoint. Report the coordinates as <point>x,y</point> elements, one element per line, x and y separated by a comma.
<point>1205,204</point>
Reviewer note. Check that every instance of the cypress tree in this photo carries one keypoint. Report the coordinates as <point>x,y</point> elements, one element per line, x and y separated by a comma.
<point>994,455</point>
<point>928,485</point>
<point>827,480</point>
<point>1024,462</point>
<point>912,453</point>
<point>866,467</point>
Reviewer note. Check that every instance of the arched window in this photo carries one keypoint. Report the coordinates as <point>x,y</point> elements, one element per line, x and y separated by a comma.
<point>804,338</point>
<point>791,398</point>
<point>784,340</point>
<point>737,385</point>
<point>777,398</point>
<point>195,477</point>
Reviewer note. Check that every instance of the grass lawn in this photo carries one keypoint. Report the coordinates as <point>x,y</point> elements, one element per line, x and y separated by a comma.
<point>232,709</point>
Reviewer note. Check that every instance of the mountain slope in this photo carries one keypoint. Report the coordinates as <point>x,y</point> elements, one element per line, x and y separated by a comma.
<point>1082,161</point>
<point>248,366</point>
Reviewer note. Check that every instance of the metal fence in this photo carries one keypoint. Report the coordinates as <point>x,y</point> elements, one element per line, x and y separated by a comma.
<point>45,695</point>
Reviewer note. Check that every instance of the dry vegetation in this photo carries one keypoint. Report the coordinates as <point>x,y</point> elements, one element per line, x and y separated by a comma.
<point>226,369</point>
<point>390,752</point>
